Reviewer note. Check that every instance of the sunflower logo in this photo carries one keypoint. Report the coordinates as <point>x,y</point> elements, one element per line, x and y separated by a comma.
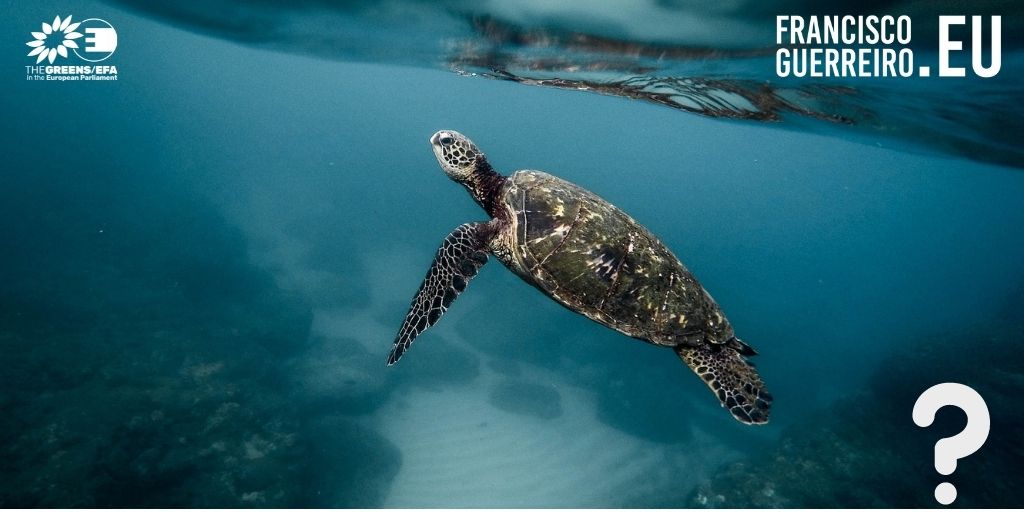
<point>54,40</point>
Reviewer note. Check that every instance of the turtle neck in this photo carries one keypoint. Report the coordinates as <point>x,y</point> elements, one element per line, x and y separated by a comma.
<point>485,185</point>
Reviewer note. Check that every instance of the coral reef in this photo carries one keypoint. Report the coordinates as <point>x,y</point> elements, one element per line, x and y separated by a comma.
<point>142,362</point>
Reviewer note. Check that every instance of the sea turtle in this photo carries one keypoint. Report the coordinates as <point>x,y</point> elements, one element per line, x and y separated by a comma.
<point>590,257</point>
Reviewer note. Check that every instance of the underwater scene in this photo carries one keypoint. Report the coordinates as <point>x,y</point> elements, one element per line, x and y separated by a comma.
<point>204,263</point>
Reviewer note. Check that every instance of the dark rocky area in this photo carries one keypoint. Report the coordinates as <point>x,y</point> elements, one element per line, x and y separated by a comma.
<point>143,361</point>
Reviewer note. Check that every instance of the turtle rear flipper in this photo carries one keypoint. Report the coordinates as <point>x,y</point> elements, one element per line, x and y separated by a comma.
<point>731,378</point>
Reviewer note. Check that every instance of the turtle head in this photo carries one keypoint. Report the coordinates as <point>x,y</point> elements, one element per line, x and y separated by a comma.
<point>457,154</point>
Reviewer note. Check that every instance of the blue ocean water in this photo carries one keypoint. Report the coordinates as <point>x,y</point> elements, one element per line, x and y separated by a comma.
<point>205,262</point>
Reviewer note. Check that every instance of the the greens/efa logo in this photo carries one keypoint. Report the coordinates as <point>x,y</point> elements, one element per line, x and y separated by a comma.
<point>91,40</point>
<point>877,46</point>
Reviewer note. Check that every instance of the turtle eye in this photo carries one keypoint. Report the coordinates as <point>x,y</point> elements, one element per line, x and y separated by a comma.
<point>447,140</point>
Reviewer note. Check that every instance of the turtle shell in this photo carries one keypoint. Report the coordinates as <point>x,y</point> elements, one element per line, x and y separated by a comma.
<point>595,259</point>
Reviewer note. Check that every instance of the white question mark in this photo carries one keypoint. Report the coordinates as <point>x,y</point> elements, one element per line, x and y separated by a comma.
<point>968,441</point>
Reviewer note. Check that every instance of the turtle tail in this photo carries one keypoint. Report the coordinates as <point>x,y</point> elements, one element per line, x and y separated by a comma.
<point>731,378</point>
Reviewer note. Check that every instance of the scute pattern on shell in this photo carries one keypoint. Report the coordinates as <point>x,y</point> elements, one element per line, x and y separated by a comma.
<point>596,260</point>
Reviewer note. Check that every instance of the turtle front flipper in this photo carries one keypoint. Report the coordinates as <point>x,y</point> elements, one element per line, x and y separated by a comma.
<point>458,259</point>
<point>731,378</point>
